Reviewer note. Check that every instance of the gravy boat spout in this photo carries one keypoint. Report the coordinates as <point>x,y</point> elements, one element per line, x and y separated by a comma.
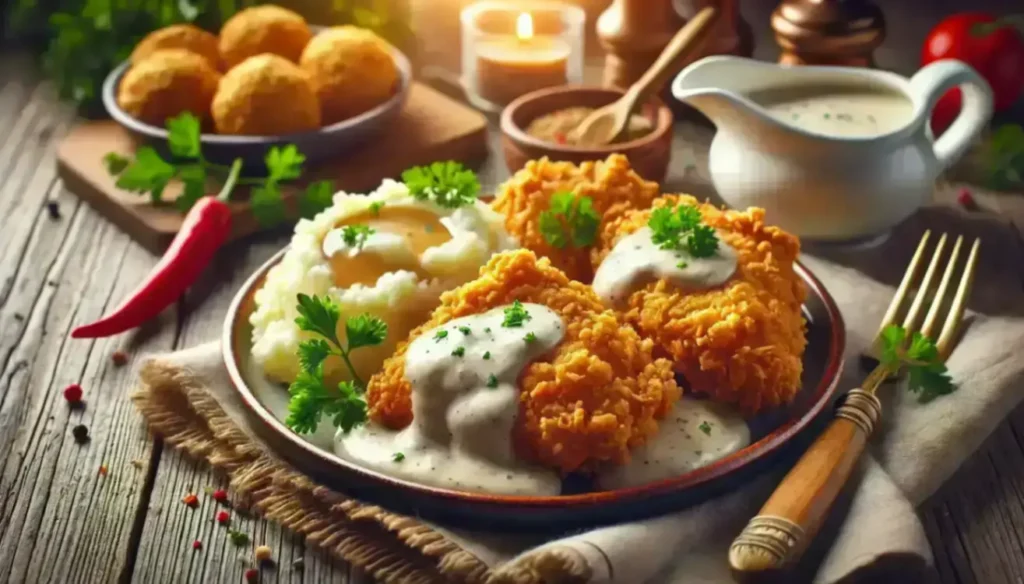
<point>717,87</point>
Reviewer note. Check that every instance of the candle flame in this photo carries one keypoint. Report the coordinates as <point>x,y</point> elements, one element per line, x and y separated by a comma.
<point>524,26</point>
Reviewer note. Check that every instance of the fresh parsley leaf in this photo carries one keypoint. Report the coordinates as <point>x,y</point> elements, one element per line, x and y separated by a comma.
<point>193,179</point>
<point>348,409</point>
<point>375,208</point>
<point>238,538</point>
<point>312,354</point>
<point>356,235</point>
<point>927,375</point>
<point>365,330</point>
<point>569,219</point>
<point>318,196</point>
<point>465,330</point>
<point>705,427</point>
<point>487,356</point>
<point>398,457</point>
<point>459,352</point>
<point>309,399</point>
<point>284,163</point>
<point>681,229</point>
<point>266,204</point>
<point>1004,157</point>
<point>319,315</point>
<point>492,381</point>
<point>148,173</point>
<point>530,337</point>
<point>183,136</point>
<point>515,315</point>
<point>448,184</point>
<point>440,335</point>
<point>115,163</point>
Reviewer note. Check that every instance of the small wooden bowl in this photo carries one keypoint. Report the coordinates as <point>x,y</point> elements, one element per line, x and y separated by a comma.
<point>649,155</point>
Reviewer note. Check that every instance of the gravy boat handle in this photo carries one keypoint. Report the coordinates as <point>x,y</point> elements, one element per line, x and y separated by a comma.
<point>932,82</point>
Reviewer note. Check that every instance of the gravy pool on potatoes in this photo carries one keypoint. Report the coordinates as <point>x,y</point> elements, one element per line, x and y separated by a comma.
<point>465,400</point>
<point>837,110</point>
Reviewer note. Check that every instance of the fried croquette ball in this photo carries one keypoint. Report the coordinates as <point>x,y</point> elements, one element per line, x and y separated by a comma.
<point>263,29</point>
<point>266,95</point>
<point>612,185</point>
<point>179,36</point>
<point>352,70</point>
<point>587,402</point>
<point>743,342</point>
<point>167,83</point>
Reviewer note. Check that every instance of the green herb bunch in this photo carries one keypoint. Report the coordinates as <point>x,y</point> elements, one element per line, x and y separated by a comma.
<point>311,397</point>
<point>447,184</point>
<point>681,230</point>
<point>148,173</point>
<point>570,220</point>
<point>1004,157</point>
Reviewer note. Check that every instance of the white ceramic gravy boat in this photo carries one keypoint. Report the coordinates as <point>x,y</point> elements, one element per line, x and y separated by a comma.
<point>829,187</point>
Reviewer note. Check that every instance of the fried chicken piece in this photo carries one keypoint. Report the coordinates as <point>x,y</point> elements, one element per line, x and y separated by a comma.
<point>612,185</point>
<point>741,343</point>
<point>263,29</point>
<point>596,395</point>
<point>167,83</point>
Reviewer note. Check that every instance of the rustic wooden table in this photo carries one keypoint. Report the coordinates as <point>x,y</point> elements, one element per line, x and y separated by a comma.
<point>62,520</point>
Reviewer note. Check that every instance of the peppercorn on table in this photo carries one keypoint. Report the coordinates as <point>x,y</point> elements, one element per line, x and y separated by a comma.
<point>87,495</point>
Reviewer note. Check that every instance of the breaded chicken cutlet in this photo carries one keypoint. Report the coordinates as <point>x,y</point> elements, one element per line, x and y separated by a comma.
<point>611,184</point>
<point>741,342</point>
<point>597,394</point>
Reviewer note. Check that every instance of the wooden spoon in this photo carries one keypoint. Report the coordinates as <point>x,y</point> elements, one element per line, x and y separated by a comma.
<point>608,124</point>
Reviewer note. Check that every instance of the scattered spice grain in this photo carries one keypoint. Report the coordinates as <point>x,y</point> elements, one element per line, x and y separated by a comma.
<point>263,554</point>
<point>81,433</point>
<point>73,394</point>
<point>223,517</point>
<point>53,209</point>
<point>220,496</point>
<point>103,470</point>
<point>120,358</point>
<point>252,575</point>
<point>190,500</point>
<point>197,545</point>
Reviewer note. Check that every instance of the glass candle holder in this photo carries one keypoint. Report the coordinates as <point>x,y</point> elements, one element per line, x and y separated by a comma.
<point>512,48</point>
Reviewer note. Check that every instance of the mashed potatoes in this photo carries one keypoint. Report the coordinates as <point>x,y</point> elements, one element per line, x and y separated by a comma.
<point>417,250</point>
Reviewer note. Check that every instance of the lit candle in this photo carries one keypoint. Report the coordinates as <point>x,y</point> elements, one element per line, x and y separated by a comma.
<point>508,66</point>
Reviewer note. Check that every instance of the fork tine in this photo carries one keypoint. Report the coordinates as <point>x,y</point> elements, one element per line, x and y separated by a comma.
<point>910,322</point>
<point>956,310</point>
<point>901,292</point>
<point>940,294</point>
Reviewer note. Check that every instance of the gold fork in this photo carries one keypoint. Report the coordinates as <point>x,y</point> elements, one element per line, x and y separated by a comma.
<point>782,530</point>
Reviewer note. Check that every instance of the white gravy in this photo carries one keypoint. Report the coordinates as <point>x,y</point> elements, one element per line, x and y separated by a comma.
<point>465,399</point>
<point>694,434</point>
<point>837,111</point>
<point>636,261</point>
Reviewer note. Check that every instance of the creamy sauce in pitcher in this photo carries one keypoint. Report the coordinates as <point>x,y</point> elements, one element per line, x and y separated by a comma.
<point>636,261</point>
<point>465,400</point>
<point>840,111</point>
<point>694,434</point>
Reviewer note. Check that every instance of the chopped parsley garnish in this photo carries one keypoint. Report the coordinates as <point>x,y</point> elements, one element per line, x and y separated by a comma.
<point>681,229</point>
<point>440,335</point>
<point>448,184</point>
<point>398,457</point>
<point>515,315</point>
<point>705,427</point>
<point>487,356</point>
<point>682,265</point>
<point>465,330</point>
<point>530,337</point>
<point>492,381</point>
<point>459,351</point>
<point>356,235</point>
<point>238,538</point>
<point>375,208</point>
<point>487,330</point>
<point>311,397</point>
<point>927,375</point>
<point>569,220</point>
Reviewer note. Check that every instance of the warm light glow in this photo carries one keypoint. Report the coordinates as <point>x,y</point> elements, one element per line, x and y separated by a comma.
<point>524,27</point>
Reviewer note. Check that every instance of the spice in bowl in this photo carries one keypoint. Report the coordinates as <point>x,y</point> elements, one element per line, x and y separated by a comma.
<point>558,125</point>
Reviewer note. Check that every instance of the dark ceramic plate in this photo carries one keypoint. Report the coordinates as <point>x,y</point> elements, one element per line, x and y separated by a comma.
<point>772,433</point>
<point>318,145</point>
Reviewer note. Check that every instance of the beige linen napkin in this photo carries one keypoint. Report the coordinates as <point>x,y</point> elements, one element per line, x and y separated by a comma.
<point>873,530</point>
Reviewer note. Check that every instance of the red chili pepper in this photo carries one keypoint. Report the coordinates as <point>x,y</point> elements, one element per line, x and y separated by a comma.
<point>205,229</point>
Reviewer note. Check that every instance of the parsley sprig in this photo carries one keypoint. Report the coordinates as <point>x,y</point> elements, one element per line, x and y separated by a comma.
<point>356,235</point>
<point>569,220</point>
<point>1004,157</point>
<point>927,375</point>
<point>680,229</point>
<point>149,173</point>
<point>515,315</point>
<point>448,184</point>
<point>311,397</point>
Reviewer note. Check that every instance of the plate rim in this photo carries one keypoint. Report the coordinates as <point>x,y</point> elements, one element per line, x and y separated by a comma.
<point>699,477</point>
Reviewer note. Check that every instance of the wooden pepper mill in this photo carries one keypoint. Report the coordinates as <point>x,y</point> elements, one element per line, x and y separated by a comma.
<point>828,32</point>
<point>634,32</point>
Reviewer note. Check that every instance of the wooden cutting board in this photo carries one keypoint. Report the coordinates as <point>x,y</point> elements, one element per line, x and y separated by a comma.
<point>431,127</point>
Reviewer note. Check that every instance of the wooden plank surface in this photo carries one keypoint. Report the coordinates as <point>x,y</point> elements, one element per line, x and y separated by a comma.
<point>62,521</point>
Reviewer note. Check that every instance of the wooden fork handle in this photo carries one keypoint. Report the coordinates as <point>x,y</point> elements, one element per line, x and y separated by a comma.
<point>781,531</point>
